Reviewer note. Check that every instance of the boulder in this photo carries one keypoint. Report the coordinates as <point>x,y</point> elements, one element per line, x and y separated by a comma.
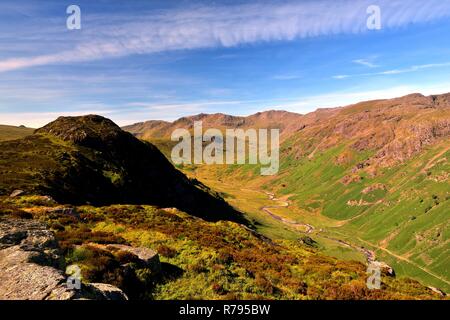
<point>387,269</point>
<point>16,193</point>
<point>308,241</point>
<point>103,291</point>
<point>438,291</point>
<point>148,257</point>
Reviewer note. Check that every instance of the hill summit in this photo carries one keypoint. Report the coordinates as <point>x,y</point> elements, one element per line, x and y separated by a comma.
<point>89,159</point>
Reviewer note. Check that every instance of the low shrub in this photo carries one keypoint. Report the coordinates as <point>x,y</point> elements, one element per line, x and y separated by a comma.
<point>166,251</point>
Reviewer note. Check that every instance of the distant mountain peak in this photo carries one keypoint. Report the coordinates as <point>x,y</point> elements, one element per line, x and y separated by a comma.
<point>284,120</point>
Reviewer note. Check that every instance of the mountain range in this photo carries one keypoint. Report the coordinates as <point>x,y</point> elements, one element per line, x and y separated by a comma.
<point>375,173</point>
<point>366,183</point>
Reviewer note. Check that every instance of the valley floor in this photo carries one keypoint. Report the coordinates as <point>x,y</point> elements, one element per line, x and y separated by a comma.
<point>279,218</point>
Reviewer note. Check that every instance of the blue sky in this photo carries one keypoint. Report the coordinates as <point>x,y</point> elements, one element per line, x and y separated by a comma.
<point>140,60</point>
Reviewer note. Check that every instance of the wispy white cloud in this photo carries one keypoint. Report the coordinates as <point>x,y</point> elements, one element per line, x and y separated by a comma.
<point>341,76</point>
<point>283,77</point>
<point>228,26</point>
<point>416,68</point>
<point>395,71</point>
<point>365,62</point>
<point>300,105</point>
<point>29,94</point>
<point>123,114</point>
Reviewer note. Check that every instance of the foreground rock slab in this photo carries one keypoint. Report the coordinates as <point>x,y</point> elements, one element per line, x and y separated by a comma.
<point>30,262</point>
<point>31,266</point>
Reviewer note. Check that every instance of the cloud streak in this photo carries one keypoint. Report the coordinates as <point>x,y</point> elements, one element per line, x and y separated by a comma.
<point>365,62</point>
<point>227,26</point>
<point>134,112</point>
<point>395,71</point>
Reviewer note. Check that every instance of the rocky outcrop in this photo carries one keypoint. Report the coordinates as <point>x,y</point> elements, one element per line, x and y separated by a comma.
<point>438,291</point>
<point>31,266</point>
<point>386,269</point>
<point>348,179</point>
<point>30,262</point>
<point>361,202</point>
<point>103,291</point>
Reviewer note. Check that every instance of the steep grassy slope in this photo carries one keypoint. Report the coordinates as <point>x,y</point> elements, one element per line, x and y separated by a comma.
<point>403,210</point>
<point>382,169</point>
<point>12,132</point>
<point>375,174</point>
<point>91,160</point>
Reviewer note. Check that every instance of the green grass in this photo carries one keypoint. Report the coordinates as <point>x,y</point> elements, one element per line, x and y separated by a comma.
<point>407,213</point>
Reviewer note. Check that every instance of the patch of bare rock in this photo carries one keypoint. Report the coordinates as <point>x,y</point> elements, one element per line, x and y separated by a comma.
<point>32,267</point>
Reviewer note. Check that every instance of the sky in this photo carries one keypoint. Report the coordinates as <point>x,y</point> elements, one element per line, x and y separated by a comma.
<point>134,60</point>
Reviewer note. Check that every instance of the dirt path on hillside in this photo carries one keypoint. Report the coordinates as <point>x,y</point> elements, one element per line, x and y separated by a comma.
<point>284,204</point>
<point>370,255</point>
<point>430,163</point>
<point>408,261</point>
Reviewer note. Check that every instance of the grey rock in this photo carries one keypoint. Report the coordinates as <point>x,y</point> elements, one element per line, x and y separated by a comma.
<point>31,266</point>
<point>103,291</point>
<point>438,291</point>
<point>29,257</point>
<point>16,193</point>
<point>149,257</point>
<point>387,269</point>
<point>49,199</point>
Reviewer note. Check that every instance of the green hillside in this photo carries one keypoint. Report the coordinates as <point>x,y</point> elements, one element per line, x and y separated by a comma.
<point>12,132</point>
<point>402,214</point>
<point>403,210</point>
<point>89,159</point>
<point>375,175</point>
<point>93,184</point>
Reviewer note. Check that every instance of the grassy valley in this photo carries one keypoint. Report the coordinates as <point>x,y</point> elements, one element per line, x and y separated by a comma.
<point>356,184</point>
<point>373,175</point>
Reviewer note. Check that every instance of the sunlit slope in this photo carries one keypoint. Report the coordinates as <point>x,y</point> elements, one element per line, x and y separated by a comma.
<point>382,169</point>
<point>404,209</point>
<point>379,169</point>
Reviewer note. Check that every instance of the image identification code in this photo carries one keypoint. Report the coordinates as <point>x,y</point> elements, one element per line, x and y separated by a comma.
<point>227,309</point>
